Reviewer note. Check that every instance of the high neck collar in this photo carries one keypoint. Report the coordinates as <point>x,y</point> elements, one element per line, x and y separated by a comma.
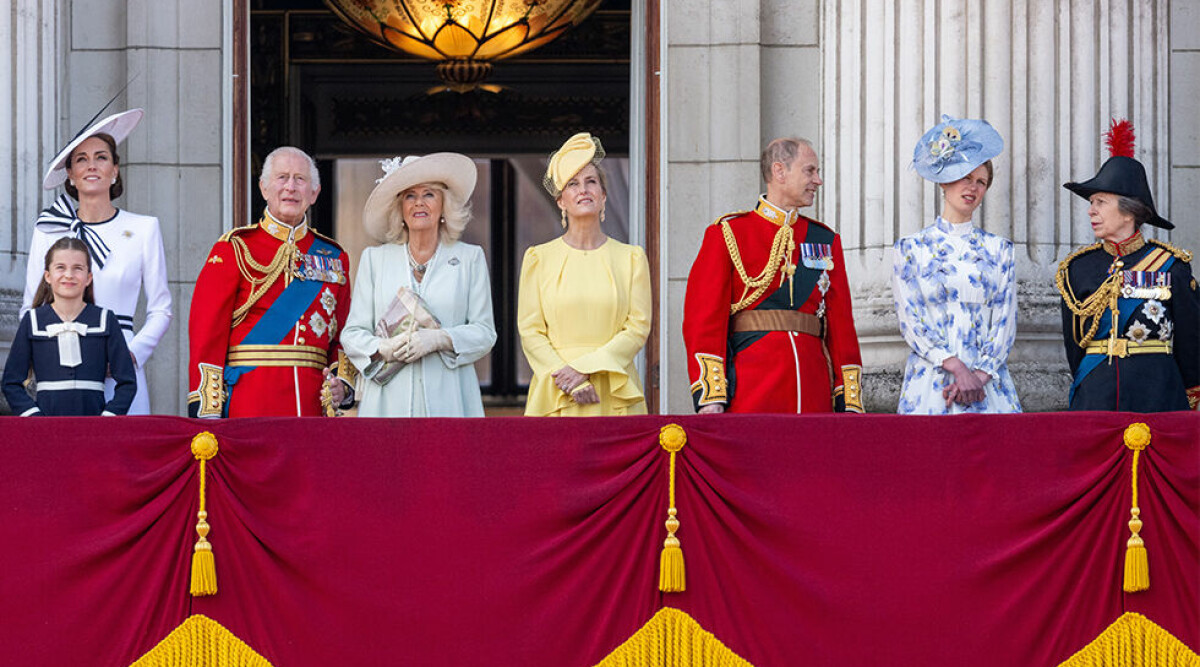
<point>955,228</point>
<point>282,231</point>
<point>1129,245</point>
<point>774,214</point>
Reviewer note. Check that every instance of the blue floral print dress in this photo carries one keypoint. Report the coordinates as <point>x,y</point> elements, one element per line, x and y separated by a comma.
<point>955,291</point>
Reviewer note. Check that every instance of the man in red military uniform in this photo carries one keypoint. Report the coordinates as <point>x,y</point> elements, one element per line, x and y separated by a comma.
<point>268,306</point>
<point>767,319</point>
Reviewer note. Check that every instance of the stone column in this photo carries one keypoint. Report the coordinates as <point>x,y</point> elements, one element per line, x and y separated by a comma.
<point>29,96</point>
<point>712,123</point>
<point>1048,76</point>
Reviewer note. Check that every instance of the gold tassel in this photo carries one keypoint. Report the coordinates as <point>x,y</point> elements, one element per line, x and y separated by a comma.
<point>1137,564</point>
<point>671,575</point>
<point>204,564</point>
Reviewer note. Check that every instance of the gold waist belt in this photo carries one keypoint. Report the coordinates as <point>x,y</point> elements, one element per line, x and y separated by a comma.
<point>302,356</point>
<point>777,320</point>
<point>1123,347</point>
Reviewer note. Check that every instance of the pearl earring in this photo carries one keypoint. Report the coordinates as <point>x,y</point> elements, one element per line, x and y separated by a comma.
<point>114,181</point>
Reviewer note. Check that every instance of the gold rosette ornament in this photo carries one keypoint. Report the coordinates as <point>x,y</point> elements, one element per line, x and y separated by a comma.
<point>204,565</point>
<point>671,576</point>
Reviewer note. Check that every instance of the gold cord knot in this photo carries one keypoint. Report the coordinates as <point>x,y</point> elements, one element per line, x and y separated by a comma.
<point>204,446</point>
<point>672,438</point>
<point>1137,436</point>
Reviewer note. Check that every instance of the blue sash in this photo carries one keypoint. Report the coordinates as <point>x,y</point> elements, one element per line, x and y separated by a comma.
<point>283,314</point>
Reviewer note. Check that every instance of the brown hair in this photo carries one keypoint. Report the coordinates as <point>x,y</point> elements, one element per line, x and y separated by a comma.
<point>44,294</point>
<point>991,171</point>
<point>116,189</point>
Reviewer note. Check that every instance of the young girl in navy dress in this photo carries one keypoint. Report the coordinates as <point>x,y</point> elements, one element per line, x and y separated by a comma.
<point>70,343</point>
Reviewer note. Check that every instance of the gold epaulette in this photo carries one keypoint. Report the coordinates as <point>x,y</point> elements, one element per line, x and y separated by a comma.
<point>1180,253</point>
<point>236,230</point>
<point>729,216</point>
<point>327,239</point>
<point>1060,277</point>
<point>819,224</point>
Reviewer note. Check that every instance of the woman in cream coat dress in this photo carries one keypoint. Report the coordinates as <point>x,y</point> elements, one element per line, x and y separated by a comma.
<point>418,211</point>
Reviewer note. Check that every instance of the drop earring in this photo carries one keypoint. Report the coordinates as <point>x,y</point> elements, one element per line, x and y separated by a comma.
<point>601,216</point>
<point>564,218</point>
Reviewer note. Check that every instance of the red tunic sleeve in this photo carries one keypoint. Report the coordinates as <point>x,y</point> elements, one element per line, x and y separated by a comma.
<point>706,319</point>
<point>209,330</point>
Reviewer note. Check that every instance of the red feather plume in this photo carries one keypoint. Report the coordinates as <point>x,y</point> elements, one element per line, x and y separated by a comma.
<point>1119,138</point>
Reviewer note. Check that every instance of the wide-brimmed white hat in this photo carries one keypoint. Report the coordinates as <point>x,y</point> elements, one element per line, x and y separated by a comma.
<point>118,126</point>
<point>457,172</point>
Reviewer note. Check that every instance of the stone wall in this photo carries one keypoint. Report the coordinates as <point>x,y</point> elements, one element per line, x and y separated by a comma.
<point>68,58</point>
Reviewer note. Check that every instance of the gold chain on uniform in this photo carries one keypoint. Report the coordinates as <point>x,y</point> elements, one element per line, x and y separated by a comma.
<point>781,257</point>
<point>1104,298</point>
<point>284,258</point>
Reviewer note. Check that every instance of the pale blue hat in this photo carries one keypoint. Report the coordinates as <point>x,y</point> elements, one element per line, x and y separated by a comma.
<point>954,148</point>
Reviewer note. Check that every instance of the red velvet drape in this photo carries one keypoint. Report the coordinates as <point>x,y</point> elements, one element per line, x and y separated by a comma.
<point>817,540</point>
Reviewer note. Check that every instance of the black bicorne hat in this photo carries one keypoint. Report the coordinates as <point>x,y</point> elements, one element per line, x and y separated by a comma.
<point>1125,176</point>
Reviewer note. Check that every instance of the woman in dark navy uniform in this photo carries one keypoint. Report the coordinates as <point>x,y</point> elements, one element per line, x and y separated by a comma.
<point>1131,315</point>
<point>70,343</point>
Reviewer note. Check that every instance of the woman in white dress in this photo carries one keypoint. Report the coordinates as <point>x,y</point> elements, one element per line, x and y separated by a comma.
<point>126,248</point>
<point>954,284</point>
<point>417,213</point>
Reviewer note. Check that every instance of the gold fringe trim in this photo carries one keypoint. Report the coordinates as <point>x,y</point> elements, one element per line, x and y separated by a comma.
<point>1134,641</point>
<point>199,640</point>
<point>671,575</point>
<point>204,564</point>
<point>673,638</point>
<point>1137,564</point>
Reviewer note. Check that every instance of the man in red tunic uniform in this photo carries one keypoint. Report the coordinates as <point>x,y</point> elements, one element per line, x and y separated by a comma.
<point>268,306</point>
<point>767,319</point>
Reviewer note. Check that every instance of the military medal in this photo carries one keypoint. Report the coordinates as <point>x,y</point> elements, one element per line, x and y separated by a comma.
<point>1146,285</point>
<point>324,269</point>
<point>817,256</point>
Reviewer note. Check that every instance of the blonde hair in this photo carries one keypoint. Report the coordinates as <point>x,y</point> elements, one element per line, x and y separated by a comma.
<point>455,216</point>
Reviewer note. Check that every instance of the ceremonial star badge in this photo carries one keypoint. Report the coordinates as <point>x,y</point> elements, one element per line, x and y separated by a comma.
<point>317,324</point>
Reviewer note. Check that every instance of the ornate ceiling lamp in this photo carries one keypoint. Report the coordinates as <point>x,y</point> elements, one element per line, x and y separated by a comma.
<point>465,36</point>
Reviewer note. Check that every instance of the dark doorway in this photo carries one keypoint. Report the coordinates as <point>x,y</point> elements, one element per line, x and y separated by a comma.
<point>317,84</point>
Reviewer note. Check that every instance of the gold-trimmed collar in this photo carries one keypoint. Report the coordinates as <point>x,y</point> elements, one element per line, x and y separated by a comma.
<point>283,231</point>
<point>774,214</point>
<point>1121,248</point>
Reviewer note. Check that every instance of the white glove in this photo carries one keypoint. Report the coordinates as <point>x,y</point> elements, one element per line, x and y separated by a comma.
<point>389,348</point>
<point>423,342</point>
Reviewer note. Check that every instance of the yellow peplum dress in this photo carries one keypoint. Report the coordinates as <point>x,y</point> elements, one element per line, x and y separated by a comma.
<point>589,309</point>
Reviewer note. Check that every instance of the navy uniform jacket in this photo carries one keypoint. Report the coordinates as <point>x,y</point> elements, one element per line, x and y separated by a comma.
<point>64,390</point>
<point>1153,382</point>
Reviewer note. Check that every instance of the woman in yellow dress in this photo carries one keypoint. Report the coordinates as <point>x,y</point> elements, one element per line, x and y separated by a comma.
<point>583,307</point>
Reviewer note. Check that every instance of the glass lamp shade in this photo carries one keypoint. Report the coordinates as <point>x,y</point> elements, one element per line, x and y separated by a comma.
<point>465,36</point>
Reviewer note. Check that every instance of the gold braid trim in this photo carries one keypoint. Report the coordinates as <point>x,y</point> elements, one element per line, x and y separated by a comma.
<point>672,637</point>
<point>1104,298</point>
<point>284,258</point>
<point>1134,641</point>
<point>1185,255</point>
<point>781,258</point>
<point>199,640</point>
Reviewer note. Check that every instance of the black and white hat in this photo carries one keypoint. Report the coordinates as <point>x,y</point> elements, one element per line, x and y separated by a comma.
<point>118,126</point>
